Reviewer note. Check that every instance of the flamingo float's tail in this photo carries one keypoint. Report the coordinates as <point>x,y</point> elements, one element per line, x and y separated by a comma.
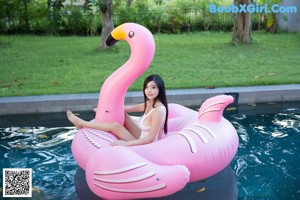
<point>123,174</point>
<point>212,109</point>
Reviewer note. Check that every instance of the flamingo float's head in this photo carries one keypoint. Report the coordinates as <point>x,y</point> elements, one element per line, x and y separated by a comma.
<point>117,34</point>
<point>134,34</point>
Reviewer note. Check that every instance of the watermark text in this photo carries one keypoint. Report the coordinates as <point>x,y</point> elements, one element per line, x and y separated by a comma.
<point>252,8</point>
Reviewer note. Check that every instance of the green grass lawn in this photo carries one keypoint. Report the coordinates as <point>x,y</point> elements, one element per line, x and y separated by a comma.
<point>37,65</point>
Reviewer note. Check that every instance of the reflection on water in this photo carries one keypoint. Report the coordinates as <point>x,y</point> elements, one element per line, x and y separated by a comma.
<point>267,162</point>
<point>265,167</point>
<point>35,138</point>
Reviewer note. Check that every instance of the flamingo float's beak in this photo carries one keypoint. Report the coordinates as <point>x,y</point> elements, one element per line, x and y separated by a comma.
<point>116,35</point>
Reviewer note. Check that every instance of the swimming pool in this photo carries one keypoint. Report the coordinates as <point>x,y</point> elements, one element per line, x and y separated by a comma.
<point>265,167</point>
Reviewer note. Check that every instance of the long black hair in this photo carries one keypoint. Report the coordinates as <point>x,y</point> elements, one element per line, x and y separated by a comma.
<point>162,97</point>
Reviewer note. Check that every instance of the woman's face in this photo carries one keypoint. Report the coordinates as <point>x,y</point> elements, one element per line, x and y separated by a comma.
<point>151,90</point>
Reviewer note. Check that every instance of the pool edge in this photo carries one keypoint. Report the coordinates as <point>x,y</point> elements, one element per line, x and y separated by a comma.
<point>187,97</point>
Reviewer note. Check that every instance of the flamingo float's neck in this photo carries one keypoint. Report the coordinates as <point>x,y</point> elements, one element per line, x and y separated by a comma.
<point>112,95</point>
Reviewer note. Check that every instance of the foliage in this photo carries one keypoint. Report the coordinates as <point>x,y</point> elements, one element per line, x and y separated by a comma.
<point>139,12</point>
<point>271,24</point>
<point>58,17</point>
<point>80,22</point>
<point>39,17</point>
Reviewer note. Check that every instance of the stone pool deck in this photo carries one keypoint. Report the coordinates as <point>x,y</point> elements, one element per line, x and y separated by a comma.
<point>187,97</point>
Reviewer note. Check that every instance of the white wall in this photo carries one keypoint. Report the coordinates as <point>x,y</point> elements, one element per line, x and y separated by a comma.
<point>289,21</point>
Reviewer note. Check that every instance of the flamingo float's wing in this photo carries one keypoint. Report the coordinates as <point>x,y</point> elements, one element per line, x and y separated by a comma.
<point>123,174</point>
<point>212,109</point>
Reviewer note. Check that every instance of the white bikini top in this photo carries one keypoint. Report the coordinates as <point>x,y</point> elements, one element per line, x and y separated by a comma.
<point>146,129</point>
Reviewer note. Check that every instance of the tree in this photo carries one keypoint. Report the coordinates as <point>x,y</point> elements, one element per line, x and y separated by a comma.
<point>55,8</point>
<point>25,14</point>
<point>105,7</point>
<point>242,24</point>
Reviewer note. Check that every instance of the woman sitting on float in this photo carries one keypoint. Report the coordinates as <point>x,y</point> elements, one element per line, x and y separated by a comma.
<point>151,125</point>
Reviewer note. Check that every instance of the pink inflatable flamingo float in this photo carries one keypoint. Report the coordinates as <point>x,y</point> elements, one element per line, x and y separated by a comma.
<point>198,145</point>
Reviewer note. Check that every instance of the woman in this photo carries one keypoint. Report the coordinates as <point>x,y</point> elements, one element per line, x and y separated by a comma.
<point>150,126</point>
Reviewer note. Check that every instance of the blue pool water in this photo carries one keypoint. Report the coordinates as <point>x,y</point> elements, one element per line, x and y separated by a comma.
<point>267,164</point>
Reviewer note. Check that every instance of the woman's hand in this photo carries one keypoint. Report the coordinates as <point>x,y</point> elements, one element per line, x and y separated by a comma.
<point>119,143</point>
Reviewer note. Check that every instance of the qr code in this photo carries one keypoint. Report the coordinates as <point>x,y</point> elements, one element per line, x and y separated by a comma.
<point>17,182</point>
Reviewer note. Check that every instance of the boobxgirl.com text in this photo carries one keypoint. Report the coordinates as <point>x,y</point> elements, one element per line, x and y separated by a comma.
<point>252,8</point>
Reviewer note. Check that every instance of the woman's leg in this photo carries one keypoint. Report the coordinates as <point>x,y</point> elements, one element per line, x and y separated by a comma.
<point>117,129</point>
<point>132,126</point>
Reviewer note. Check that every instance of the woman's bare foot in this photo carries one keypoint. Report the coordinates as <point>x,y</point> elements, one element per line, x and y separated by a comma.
<point>74,119</point>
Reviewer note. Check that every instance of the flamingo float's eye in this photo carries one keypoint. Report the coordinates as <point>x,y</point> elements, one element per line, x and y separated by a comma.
<point>131,34</point>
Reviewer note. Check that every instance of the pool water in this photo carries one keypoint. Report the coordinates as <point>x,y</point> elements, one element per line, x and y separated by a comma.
<point>267,164</point>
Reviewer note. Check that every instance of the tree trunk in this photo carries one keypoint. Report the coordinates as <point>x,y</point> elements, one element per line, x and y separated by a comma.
<point>242,24</point>
<point>107,21</point>
<point>129,3</point>
<point>25,16</point>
